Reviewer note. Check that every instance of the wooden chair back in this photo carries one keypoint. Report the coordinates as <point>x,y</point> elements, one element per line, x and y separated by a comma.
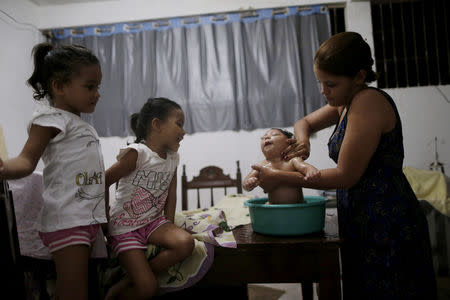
<point>210,177</point>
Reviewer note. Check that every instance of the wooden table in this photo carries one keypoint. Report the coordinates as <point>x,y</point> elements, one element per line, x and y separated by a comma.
<point>269,259</point>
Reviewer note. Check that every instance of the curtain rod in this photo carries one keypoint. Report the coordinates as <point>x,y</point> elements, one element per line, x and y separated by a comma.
<point>190,19</point>
<point>333,5</point>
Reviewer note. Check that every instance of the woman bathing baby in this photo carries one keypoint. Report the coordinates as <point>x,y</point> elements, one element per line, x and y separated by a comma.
<point>273,143</point>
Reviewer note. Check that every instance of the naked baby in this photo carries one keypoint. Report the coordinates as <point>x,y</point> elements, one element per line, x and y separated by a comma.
<point>273,143</point>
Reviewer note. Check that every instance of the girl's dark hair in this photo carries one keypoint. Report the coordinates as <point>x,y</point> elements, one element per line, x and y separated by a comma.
<point>345,54</point>
<point>288,134</point>
<point>154,108</point>
<point>57,63</point>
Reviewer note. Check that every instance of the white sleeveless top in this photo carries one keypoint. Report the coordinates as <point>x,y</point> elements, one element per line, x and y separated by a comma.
<point>141,196</point>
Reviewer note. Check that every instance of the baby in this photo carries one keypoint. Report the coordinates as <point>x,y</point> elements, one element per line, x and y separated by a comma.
<point>273,143</point>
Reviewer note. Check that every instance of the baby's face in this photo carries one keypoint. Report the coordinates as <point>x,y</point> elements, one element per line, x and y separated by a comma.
<point>273,142</point>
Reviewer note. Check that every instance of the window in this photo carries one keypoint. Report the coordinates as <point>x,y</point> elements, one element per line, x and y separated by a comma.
<point>411,39</point>
<point>337,19</point>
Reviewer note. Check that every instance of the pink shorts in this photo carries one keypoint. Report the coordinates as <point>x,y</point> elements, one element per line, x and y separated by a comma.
<point>81,235</point>
<point>136,239</point>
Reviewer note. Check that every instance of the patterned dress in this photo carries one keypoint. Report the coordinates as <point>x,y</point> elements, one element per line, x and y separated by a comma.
<point>386,252</point>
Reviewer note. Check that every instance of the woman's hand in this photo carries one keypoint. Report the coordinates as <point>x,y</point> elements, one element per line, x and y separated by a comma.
<point>296,149</point>
<point>267,178</point>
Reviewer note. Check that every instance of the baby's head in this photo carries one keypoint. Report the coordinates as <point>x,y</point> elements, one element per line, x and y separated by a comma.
<point>274,141</point>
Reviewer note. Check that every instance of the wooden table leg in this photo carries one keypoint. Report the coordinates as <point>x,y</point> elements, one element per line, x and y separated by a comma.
<point>307,290</point>
<point>330,276</point>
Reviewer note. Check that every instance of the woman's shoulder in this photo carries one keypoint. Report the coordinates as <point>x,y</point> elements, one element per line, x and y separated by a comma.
<point>375,106</point>
<point>371,99</point>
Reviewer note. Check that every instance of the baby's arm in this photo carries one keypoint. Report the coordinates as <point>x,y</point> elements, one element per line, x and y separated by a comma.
<point>251,180</point>
<point>309,171</point>
<point>26,162</point>
<point>122,168</point>
<point>171,203</point>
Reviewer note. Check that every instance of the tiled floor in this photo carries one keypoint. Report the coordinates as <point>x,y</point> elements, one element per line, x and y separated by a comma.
<point>276,291</point>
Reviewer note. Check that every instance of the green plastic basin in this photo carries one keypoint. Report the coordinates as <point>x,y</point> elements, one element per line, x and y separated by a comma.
<point>287,219</point>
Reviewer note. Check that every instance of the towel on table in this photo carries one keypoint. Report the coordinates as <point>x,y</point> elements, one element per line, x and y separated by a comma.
<point>235,211</point>
<point>208,227</point>
<point>430,186</point>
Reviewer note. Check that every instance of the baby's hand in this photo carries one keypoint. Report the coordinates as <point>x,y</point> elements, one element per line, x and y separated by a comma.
<point>312,174</point>
<point>250,183</point>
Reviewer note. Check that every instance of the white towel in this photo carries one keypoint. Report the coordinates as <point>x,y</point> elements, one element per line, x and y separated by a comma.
<point>430,186</point>
<point>3,152</point>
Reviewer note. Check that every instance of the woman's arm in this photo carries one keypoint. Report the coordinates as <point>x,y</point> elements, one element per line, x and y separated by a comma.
<point>308,171</point>
<point>369,116</point>
<point>271,178</point>
<point>315,121</point>
<point>171,203</point>
<point>26,162</point>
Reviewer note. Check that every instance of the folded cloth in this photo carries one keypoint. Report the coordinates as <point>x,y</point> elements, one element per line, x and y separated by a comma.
<point>187,272</point>
<point>235,211</point>
<point>207,225</point>
<point>27,198</point>
<point>430,186</point>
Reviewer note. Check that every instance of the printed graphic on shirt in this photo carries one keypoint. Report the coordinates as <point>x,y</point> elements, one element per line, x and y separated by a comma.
<point>86,179</point>
<point>143,204</point>
<point>154,181</point>
<point>81,195</point>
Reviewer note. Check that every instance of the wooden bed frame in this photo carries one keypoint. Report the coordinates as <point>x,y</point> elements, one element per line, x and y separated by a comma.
<point>210,177</point>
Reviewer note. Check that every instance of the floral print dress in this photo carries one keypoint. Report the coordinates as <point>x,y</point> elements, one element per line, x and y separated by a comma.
<point>386,250</point>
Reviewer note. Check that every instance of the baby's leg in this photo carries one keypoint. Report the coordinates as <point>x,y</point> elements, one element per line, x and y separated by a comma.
<point>72,272</point>
<point>177,243</point>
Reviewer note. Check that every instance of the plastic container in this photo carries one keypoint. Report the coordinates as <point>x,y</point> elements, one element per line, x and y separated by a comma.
<point>287,219</point>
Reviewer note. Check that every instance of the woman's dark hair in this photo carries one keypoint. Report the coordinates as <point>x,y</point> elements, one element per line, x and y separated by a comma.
<point>154,108</point>
<point>57,63</point>
<point>345,54</point>
<point>288,134</point>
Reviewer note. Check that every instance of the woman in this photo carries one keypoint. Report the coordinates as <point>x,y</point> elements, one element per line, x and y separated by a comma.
<point>386,250</point>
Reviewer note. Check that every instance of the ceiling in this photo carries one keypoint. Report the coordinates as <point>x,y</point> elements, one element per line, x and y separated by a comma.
<point>61,2</point>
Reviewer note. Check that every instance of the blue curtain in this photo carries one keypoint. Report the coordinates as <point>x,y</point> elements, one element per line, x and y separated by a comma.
<point>236,71</point>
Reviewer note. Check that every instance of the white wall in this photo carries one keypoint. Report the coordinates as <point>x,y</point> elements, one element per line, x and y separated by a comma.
<point>425,115</point>
<point>18,38</point>
<point>424,111</point>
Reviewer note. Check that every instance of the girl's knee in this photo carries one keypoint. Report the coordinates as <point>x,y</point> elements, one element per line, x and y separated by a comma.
<point>185,244</point>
